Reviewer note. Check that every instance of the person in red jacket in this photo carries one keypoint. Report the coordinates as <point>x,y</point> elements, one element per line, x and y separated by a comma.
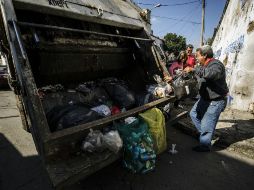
<point>178,64</point>
<point>191,61</point>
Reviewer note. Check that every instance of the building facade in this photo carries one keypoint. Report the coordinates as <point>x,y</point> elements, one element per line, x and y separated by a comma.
<point>233,44</point>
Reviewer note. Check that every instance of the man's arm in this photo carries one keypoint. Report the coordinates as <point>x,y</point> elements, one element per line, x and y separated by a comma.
<point>213,72</point>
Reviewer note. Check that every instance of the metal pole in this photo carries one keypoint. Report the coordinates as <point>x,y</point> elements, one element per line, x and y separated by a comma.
<point>203,23</point>
<point>19,40</point>
<point>80,31</point>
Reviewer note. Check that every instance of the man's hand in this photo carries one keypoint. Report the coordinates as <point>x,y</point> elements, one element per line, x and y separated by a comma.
<point>188,69</point>
<point>168,78</point>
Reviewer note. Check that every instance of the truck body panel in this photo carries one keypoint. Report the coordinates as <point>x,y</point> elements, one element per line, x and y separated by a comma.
<point>66,43</point>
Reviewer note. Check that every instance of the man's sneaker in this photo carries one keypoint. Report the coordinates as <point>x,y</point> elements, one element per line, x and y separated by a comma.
<point>201,148</point>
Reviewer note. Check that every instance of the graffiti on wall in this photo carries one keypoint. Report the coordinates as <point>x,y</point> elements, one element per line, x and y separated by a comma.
<point>235,46</point>
<point>230,54</point>
<point>217,53</point>
<point>243,2</point>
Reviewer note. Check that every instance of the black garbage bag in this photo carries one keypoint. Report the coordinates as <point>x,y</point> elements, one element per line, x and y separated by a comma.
<point>119,93</point>
<point>93,95</point>
<point>144,98</point>
<point>51,100</point>
<point>185,85</point>
<point>99,96</point>
<point>62,117</point>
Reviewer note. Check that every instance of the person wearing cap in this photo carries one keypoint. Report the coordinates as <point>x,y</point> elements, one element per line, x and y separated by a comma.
<point>213,89</point>
<point>191,57</point>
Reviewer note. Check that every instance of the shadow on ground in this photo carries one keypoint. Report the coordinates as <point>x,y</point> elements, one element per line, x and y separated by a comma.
<point>18,172</point>
<point>240,130</point>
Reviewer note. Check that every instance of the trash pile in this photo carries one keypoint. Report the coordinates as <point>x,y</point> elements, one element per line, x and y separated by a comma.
<point>92,100</point>
<point>154,91</point>
<point>142,138</point>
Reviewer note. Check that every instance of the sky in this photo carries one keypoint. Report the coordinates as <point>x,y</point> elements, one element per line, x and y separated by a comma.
<point>190,14</point>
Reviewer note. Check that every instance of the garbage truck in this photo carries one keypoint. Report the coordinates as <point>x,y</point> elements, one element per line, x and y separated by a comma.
<point>71,42</point>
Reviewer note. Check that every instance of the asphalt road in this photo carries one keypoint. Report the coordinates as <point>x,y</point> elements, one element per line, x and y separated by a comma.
<point>21,168</point>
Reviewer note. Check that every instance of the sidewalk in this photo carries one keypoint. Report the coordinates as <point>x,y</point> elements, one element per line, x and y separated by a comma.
<point>21,166</point>
<point>234,131</point>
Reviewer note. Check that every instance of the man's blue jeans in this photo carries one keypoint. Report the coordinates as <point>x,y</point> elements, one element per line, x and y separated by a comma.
<point>205,115</point>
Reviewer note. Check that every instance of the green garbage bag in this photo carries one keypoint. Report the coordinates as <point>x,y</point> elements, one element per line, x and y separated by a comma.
<point>139,155</point>
<point>156,123</point>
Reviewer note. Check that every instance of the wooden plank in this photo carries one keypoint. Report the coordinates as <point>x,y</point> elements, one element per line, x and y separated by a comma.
<point>103,121</point>
<point>176,118</point>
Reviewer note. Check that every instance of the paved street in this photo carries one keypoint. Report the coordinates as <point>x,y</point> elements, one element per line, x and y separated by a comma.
<point>21,168</point>
<point>219,170</point>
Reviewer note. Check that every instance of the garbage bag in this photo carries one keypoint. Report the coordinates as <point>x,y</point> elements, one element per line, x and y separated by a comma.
<point>96,141</point>
<point>119,93</point>
<point>144,98</point>
<point>102,110</point>
<point>93,142</point>
<point>115,110</point>
<point>51,100</point>
<point>129,120</point>
<point>139,155</point>
<point>93,95</point>
<point>112,141</point>
<point>185,86</point>
<point>156,124</point>
<point>61,117</point>
<point>160,90</point>
<point>131,132</point>
<point>86,87</point>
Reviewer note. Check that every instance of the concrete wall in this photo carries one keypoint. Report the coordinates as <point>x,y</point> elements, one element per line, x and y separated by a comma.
<point>234,46</point>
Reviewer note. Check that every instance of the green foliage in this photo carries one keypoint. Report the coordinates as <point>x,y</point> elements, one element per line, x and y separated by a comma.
<point>174,42</point>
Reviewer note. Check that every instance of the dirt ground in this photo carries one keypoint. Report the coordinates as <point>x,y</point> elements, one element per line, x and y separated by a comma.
<point>22,169</point>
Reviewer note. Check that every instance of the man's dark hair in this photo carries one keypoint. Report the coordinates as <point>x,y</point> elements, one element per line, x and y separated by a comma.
<point>206,50</point>
<point>190,46</point>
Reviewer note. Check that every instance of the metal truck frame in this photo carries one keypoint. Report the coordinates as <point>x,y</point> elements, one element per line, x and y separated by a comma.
<point>54,148</point>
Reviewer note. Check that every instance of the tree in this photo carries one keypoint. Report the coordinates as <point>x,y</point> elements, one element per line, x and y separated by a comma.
<point>174,42</point>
